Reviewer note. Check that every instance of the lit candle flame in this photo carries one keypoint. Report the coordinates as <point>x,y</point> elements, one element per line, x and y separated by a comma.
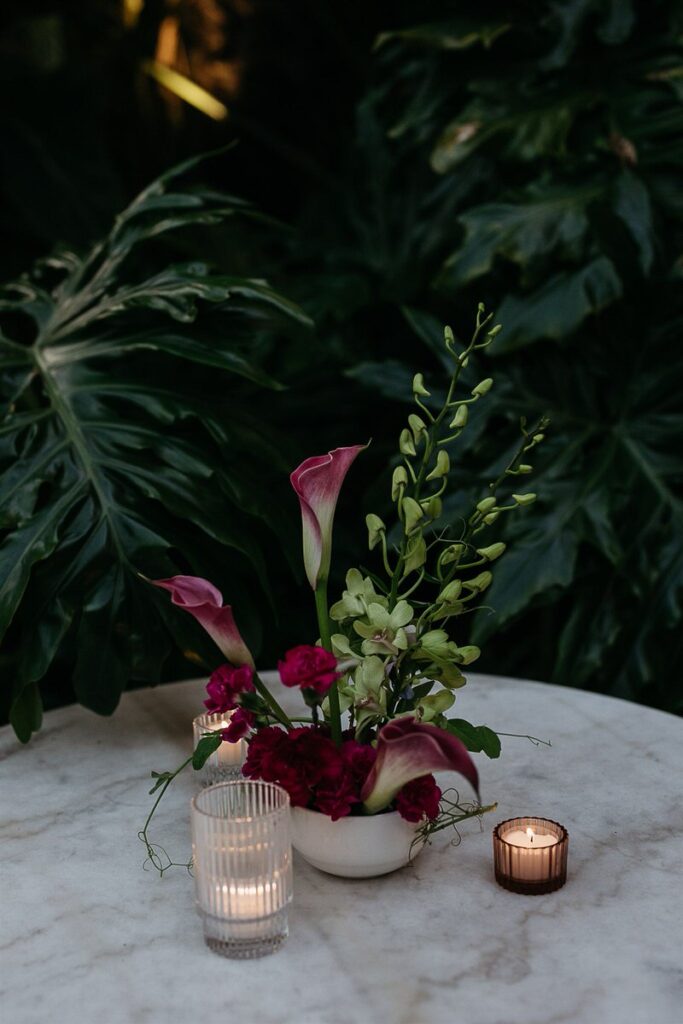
<point>530,832</point>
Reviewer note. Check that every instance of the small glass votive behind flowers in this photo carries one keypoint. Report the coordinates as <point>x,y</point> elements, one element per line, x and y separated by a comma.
<point>225,763</point>
<point>242,859</point>
<point>530,855</point>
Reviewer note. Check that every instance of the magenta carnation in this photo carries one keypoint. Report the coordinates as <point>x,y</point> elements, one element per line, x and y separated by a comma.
<point>262,748</point>
<point>419,799</point>
<point>359,759</point>
<point>336,794</point>
<point>224,687</point>
<point>241,721</point>
<point>309,766</point>
<point>311,668</point>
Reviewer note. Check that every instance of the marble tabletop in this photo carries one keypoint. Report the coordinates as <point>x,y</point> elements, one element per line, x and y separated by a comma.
<point>86,934</point>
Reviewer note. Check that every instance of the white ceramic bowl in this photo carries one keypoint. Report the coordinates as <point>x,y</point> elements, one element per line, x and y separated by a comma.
<point>354,847</point>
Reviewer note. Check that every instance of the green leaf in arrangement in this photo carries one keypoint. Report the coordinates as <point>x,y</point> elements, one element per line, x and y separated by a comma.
<point>204,749</point>
<point>477,738</point>
<point>120,425</point>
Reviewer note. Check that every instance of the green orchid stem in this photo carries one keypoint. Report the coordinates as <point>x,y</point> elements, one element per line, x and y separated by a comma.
<point>281,716</point>
<point>430,443</point>
<point>321,608</point>
<point>476,521</point>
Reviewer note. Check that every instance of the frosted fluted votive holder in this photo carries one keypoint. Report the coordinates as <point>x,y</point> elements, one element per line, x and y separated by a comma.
<point>242,858</point>
<point>225,763</point>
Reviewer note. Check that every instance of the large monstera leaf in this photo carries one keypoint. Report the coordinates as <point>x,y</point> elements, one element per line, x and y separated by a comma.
<point>128,443</point>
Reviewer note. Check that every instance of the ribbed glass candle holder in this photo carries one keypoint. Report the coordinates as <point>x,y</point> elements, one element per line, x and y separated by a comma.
<point>225,763</point>
<point>530,855</point>
<point>242,857</point>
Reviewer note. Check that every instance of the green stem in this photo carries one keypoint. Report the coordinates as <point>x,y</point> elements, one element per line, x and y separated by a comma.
<point>455,819</point>
<point>281,715</point>
<point>321,608</point>
<point>429,445</point>
<point>477,518</point>
<point>143,833</point>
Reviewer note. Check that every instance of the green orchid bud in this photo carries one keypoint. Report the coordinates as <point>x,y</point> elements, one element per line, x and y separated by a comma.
<point>448,336</point>
<point>451,553</point>
<point>486,504</point>
<point>481,308</point>
<point>405,443</point>
<point>435,704</point>
<point>524,499</point>
<point>480,582</point>
<point>399,482</point>
<point>419,386</point>
<point>524,468</point>
<point>495,330</point>
<point>493,551</point>
<point>375,529</point>
<point>491,518</point>
<point>451,592</point>
<point>432,506</point>
<point>483,387</point>
<point>341,646</point>
<point>463,359</point>
<point>417,425</point>
<point>538,438</point>
<point>416,554</point>
<point>468,654</point>
<point>442,467</point>
<point>460,418</point>
<point>436,643</point>
<point>412,513</point>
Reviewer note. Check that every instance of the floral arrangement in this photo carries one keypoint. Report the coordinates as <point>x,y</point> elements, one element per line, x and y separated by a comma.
<point>383,674</point>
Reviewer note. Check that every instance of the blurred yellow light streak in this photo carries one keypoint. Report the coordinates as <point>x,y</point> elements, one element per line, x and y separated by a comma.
<point>132,9</point>
<point>186,89</point>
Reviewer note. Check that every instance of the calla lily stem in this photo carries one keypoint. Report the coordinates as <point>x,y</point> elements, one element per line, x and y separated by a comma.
<point>326,640</point>
<point>272,703</point>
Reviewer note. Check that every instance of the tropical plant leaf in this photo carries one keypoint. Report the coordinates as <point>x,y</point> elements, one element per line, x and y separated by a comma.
<point>560,305</point>
<point>571,121</point>
<point>121,398</point>
<point>552,225</point>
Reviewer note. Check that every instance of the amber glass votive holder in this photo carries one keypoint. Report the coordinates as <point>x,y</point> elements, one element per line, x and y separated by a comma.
<point>528,869</point>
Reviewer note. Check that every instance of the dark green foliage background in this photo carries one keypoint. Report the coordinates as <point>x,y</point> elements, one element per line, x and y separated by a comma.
<point>529,158</point>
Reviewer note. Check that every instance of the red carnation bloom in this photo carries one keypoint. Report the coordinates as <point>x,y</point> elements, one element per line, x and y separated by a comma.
<point>311,755</point>
<point>419,799</point>
<point>297,760</point>
<point>311,668</point>
<point>241,722</point>
<point>225,685</point>
<point>262,747</point>
<point>336,794</point>
<point>359,758</point>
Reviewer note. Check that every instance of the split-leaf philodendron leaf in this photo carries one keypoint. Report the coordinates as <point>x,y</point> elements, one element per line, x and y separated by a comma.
<point>126,438</point>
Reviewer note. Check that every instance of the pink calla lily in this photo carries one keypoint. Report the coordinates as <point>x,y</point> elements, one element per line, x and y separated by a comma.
<point>317,482</point>
<point>408,749</point>
<point>201,599</point>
